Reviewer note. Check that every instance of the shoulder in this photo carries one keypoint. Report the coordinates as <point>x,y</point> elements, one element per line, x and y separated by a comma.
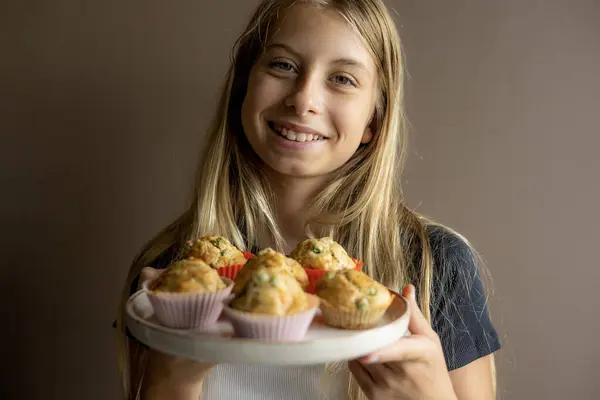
<point>459,300</point>
<point>455,266</point>
<point>448,248</point>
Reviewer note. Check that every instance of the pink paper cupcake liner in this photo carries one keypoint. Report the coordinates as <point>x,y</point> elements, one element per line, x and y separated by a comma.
<point>315,274</point>
<point>188,310</point>
<point>351,320</point>
<point>272,328</point>
<point>231,271</point>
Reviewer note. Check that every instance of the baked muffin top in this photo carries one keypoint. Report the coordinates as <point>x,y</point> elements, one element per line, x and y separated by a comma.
<point>189,275</point>
<point>216,251</point>
<point>351,290</point>
<point>323,254</point>
<point>270,259</point>
<point>271,292</point>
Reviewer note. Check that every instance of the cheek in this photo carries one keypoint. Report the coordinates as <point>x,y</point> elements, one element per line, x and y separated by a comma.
<point>249,105</point>
<point>252,106</point>
<point>262,94</point>
<point>351,118</point>
<point>247,113</point>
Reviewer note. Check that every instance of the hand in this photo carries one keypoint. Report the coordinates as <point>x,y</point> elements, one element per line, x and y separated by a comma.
<point>413,368</point>
<point>187,368</point>
<point>176,377</point>
<point>148,274</point>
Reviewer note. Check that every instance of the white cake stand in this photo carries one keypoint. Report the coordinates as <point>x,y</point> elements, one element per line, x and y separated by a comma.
<point>322,344</point>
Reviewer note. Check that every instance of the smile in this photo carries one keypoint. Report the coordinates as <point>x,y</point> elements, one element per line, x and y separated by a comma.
<point>293,135</point>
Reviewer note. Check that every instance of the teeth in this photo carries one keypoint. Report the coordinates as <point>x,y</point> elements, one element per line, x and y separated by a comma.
<point>296,136</point>
<point>291,135</point>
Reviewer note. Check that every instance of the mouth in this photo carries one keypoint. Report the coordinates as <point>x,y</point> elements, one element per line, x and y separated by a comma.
<point>295,134</point>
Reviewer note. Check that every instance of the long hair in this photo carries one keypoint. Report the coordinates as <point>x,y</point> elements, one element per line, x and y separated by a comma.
<point>362,207</point>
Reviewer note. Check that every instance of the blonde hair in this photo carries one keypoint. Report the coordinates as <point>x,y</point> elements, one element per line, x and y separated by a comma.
<point>364,197</point>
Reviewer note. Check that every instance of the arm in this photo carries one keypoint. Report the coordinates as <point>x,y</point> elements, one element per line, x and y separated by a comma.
<point>172,378</point>
<point>475,381</point>
<point>163,376</point>
<point>414,367</point>
<point>460,317</point>
<point>453,357</point>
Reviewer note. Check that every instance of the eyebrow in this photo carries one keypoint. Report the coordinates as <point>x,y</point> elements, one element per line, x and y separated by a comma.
<point>341,61</point>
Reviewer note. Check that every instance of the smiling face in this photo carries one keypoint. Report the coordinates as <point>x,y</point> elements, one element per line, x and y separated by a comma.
<point>311,95</point>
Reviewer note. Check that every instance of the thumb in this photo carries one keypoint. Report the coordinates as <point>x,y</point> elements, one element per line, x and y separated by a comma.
<point>148,274</point>
<point>417,325</point>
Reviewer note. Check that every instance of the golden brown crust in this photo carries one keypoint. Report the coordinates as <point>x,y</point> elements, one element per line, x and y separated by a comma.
<point>270,259</point>
<point>216,251</point>
<point>190,275</point>
<point>271,292</point>
<point>351,290</point>
<point>322,254</point>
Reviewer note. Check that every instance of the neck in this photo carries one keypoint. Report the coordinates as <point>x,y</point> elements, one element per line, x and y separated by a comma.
<point>294,196</point>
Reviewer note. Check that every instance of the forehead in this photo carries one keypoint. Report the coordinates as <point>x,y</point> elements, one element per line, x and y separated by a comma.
<point>320,32</point>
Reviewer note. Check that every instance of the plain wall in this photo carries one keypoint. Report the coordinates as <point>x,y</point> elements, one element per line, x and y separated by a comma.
<point>102,110</point>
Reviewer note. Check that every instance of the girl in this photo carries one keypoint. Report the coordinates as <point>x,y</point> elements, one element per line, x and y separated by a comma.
<point>309,140</point>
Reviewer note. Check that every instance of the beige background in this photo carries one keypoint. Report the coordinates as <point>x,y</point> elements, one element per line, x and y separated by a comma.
<point>102,110</point>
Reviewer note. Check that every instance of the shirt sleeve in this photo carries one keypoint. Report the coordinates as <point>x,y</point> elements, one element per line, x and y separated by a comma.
<point>459,310</point>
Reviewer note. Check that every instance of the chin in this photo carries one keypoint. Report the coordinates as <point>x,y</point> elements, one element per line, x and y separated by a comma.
<point>295,170</point>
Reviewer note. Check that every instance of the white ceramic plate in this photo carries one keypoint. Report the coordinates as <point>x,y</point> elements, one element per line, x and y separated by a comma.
<point>322,344</point>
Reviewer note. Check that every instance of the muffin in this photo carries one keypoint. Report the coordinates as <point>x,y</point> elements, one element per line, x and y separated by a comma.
<point>219,253</point>
<point>318,256</point>
<point>322,254</point>
<point>270,259</point>
<point>216,251</point>
<point>351,299</point>
<point>188,294</point>
<point>271,306</point>
<point>185,276</point>
<point>271,292</point>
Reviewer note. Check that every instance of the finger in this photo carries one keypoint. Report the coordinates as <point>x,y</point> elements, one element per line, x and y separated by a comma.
<point>148,274</point>
<point>362,376</point>
<point>417,324</point>
<point>410,348</point>
<point>381,374</point>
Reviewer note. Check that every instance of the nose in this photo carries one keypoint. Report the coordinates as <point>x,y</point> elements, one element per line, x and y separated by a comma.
<point>306,97</point>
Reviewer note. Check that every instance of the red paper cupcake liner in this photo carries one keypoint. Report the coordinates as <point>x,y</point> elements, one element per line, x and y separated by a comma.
<point>288,328</point>
<point>231,271</point>
<point>188,310</point>
<point>315,274</point>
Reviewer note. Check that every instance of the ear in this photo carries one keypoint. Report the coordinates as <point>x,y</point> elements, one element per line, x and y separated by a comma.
<point>368,133</point>
<point>367,136</point>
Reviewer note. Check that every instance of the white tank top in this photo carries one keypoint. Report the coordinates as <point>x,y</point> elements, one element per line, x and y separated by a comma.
<point>266,382</point>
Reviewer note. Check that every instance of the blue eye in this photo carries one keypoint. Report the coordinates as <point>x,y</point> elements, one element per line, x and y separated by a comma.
<point>343,80</point>
<point>282,65</point>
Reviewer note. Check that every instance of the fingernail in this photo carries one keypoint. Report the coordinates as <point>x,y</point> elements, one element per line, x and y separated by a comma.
<point>371,359</point>
<point>413,292</point>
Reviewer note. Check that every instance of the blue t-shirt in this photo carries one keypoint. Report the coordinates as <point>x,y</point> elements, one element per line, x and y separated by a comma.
<point>459,311</point>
